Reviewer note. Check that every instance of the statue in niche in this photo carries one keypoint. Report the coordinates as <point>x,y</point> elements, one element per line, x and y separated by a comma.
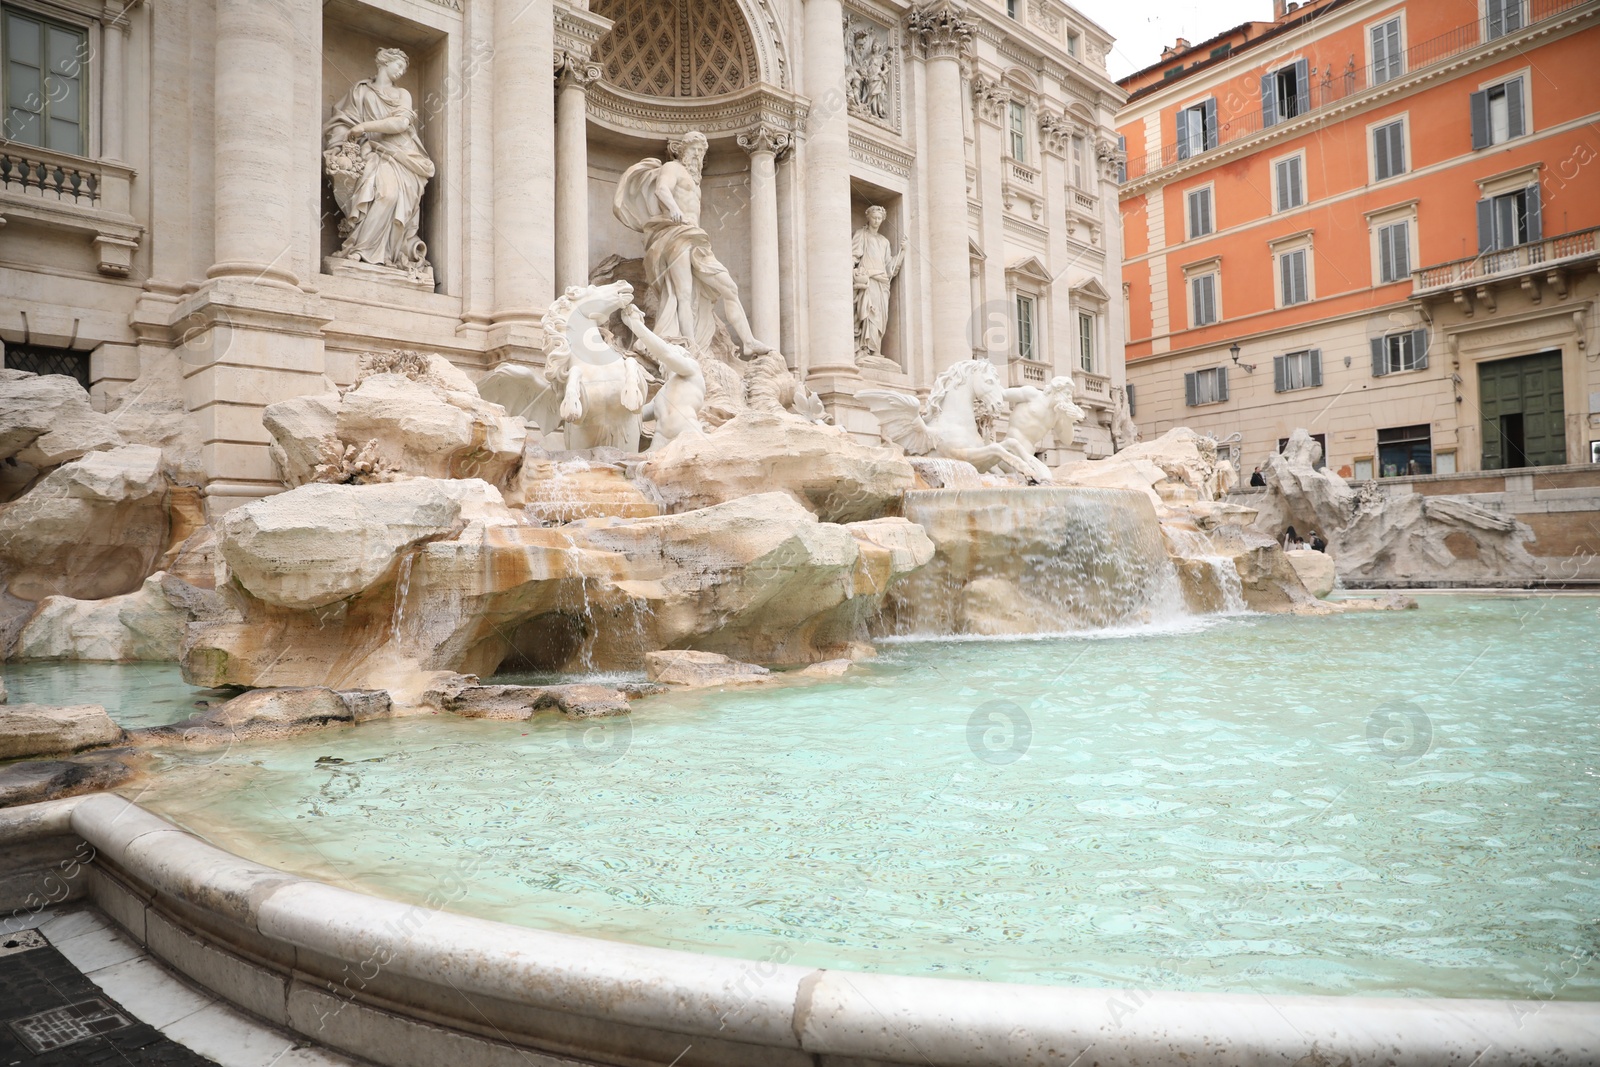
<point>379,169</point>
<point>876,265</point>
<point>1037,413</point>
<point>688,282</point>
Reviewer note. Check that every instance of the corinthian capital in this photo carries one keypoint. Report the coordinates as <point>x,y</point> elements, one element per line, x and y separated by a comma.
<point>942,29</point>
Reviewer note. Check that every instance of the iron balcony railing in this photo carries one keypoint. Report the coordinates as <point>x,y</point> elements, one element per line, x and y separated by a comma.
<point>1329,86</point>
<point>1505,262</point>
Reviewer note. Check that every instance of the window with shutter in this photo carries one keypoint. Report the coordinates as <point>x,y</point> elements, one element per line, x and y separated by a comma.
<point>1200,213</point>
<point>1025,327</point>
<point>1388,150</point>
<point>1297,370</point>
<point>1386,56</point>
<point>1285,93</point>
<point>1394,252</point>
<point>1380,362</point>
<point>1503,17</point>
<point>1019,133</point>
<point>1196,128</point>
<point>1203,299</point>
<point>1209,386</point>
<point>1291,187</point>
<point>1293,280</point>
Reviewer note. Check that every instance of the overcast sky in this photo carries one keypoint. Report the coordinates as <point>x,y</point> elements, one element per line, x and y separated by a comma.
<point>1143,27</point>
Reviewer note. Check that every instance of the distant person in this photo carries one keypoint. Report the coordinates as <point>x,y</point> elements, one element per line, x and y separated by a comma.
<point>1317,543</point>
<point>1290,538</point>
<point>1258,480</point>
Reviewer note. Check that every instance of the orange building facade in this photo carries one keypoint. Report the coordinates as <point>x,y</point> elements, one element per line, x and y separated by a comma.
<point>1375,220</point>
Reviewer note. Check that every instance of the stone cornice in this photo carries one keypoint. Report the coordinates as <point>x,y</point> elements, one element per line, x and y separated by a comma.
<point>578,31</point>
<point>717,116</point>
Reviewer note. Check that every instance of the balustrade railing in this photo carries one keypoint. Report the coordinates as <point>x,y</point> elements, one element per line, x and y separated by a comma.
<point>51,175</point>
<point>1506,261</point>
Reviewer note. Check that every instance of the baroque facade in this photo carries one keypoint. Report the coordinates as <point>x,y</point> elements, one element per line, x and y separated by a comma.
<point>232,200</point>
<point>1376,220</point>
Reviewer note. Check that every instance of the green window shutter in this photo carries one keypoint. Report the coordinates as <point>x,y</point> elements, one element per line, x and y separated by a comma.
<point>1380,367</point>
<point>1191,391</point>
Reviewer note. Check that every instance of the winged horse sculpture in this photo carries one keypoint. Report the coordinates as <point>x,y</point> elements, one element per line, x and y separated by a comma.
<point>962,406</point>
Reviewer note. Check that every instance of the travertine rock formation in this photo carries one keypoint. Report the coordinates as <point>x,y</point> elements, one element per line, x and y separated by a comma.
<point>759,578</point>
<point>46,420</point>
<point>1399,537</point>
<point>91,528</point>
<point>39,730</point>
<point>698,670</point>
<point>425,416</point>
<point>822,468</point>
<point>142,625</point>
<point>1315,569</point>
<point>318,544</point>
<point>1179,466</point>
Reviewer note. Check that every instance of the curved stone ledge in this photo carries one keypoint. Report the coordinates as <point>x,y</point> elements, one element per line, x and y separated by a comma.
<point>405,984</point>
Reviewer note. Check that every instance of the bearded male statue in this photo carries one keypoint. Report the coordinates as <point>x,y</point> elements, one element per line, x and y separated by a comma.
<point>662,202</point>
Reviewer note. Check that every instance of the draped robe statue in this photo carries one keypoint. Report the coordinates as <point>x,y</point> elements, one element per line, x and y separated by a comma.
<point>379,169</point>
<point>876,265</point>
<point>689,283</point>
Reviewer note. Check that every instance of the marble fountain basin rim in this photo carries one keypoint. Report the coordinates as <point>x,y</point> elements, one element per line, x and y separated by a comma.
<point>407,984</point>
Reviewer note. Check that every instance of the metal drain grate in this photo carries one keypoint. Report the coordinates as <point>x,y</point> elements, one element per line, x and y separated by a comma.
<point>60,1027</point>
<point>21,941</point>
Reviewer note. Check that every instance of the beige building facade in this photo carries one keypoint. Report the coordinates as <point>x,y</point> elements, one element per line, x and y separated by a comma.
<point>173,219</point>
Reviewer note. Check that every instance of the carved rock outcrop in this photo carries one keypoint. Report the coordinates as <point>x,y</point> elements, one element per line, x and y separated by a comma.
<point>820,467</point>
<point>92,528</point>
<point>1177,467</point>
<point>759,578</point>
<point>40,730</point>
<point>319,544</point>
<point>46,420</point>
<point>142,625</point>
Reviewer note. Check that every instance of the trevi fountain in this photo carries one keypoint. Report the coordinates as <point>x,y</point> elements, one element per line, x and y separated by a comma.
<point>648,696</point>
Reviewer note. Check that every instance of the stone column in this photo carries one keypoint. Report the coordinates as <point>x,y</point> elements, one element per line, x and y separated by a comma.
<point>254,141</point>
<point>524,165</point>
<point>830,295</point>
<point>946,37</point>
<point>764,143</point>
<point>113,37</point>
<point>574,75</point>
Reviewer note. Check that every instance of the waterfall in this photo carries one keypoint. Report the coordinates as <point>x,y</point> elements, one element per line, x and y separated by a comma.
<point>1035,560</point>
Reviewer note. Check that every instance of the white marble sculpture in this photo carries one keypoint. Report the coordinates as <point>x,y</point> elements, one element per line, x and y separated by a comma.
<point>1124,431</point>
<point>958,420</point>
<point>379,169</point>
<point>676,405</point>
<point>688,281</point>
<point>876,264</point>
<point>1037,413</point>
<point>867,74</point>
<point>602,390</point>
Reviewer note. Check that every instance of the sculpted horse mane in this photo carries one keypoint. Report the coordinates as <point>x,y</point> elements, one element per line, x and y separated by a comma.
<point>958,375</point>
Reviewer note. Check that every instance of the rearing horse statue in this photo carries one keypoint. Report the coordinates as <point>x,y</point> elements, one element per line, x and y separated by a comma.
<point>962,406</point>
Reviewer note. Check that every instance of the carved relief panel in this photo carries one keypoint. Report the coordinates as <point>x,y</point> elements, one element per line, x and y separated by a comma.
<point>872,70</point>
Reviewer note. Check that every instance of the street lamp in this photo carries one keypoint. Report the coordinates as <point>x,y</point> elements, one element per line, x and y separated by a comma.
<point>1249,368</point>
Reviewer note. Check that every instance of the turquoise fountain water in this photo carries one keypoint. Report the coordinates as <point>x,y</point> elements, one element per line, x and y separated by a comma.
<point>1403,803</point>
